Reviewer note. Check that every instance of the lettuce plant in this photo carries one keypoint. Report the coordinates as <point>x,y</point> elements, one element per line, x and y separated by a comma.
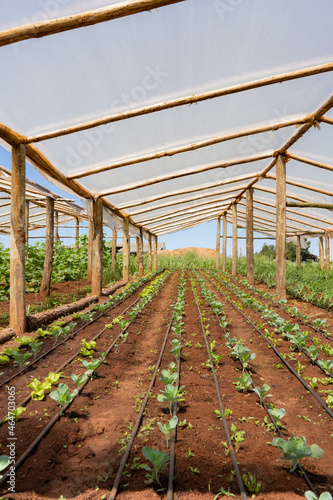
<point>159,460</point>
<point>252,483</point>
<point>91,366</point>
<point>295,449</point>
<point>167,428</point>
<point>39,388</point>
<point>14,415</point>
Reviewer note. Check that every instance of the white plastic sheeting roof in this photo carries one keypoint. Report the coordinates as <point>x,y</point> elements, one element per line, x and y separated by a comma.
<point>182,166</point>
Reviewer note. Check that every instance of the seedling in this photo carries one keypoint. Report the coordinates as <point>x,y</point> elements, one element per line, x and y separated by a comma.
<point>277,415</point>
<point>252,483</point>
<point>39,389</point>
<point>170,395</point>
<point>194,470</point>
<point>62,395</point>
<point>91,366</point>
<point>262,393</point>
<point>53,378</point>
<point>123,337</point>
<point>313,352</point>
<point>176,348</point>
<point>4,462</point>
<point>168,378</point>
<point>159,460</point>
<point>20,359</point>
<point>243,354</point>
<point>237,436</point>
<point>167,428</point>
<point>327,366</point>
<point>309,495</point>
<point>35,346</point>
<point>224,492</point>
<point>79,379</point>
<point>243,383</point>
<point>295,449</point>
<point>190,453</point>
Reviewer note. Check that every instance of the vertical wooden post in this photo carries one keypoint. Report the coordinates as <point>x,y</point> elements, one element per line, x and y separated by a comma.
<point>234,239</point>
<point>90,248</point>
<point>218,243</point>
<point>97,248</point>
<point>140,253</point>
<point>155,252</point>
<point>126,249</point>
<point>45,286</point>
<point>114,249</point>
<point>149,253</point>
<point>56,224</point>
<point>17,241</point>
<point>280,228</point>
<point>77,231</point>
<point>27,221</point>
<point>224,244</point>
<point>137,251</point>
<point>321,252</point>
<point>298,251</point>
<point>327,251</point>
<point>249,236</point>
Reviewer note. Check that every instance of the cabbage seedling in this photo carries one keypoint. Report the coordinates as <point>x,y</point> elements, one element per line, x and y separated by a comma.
<point>243,354</point>
<point>176,348</point>
<point>327,365</point>
<point>262,393</point>
<point>277,415</point>
<point>79,379</point>
<point>159,460</point>
<point>35,347</point>
<point>309,495</point>
<point>90,365</point>
<point>170,395</point>
<point>295,449</point>
<point>4,462</point>
<point>20,359</point>
<point>313,352</point>
<point>168,428</point>
<point>62,395</point>
<point>243,383</point>
<point>168,378</point>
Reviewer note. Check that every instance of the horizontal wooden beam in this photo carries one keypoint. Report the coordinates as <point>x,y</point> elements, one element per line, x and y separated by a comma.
<point>327,206</point>
<point>303,186</point>
<point>88,18</point>
<point>188,147</point>
<point>327,120</point>
<point>307,216</point>
<point>283,77</point>
<point>310,162</point>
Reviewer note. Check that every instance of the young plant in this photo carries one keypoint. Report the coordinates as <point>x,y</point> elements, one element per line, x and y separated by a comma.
<point>62,395</point>
<point>20,359</point>
<point>79,379</point>
<point>168,378</point>
<point>243,383</point>
<point>35,346</point>
<point>309,495</point>
<point>159,461</point>
<point>170,395</point>
<point>295,449</point>
<point>262,393</point>
<point>38,389</point>
<point>167,428</point>
<point>236,436</point>
<point>243,354</point>
<point>14,415</point>
<point>91,366</point>
<point>252,483</point>
<point>53,378</point>
<point>313,352</point>
<point>277,415</point>
<point>224,492</point>
<point>176,348</point>
<point>87,348</point>
<point>4,462</point>
<point>327,366</point>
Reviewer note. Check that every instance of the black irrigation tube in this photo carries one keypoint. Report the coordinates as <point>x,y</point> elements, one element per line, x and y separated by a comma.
<point>71,336</point>
<point>279,306</point>
<point>290,368</point>
<point>60,413</point>
<point>277,429</point>
<point>314,361</point>
<point>118,477</point>
<point>225,426</point>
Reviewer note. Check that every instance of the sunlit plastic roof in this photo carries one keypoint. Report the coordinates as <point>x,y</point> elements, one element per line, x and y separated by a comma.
<point>171,113</point>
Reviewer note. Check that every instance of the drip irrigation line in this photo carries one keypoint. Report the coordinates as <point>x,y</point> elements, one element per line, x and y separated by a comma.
<point>66,406</point>
<point>279,306</point>
<point>69,337</point>
<point>290,368</point>
<point>118,477</point>
<point>313,361</point>
<point>225,426</point>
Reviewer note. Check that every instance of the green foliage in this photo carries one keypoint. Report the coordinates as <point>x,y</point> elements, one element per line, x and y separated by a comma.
<point>170,395</point>
<point>262,393</point>
<point>237,436</point>
<point>4,359</point>
<point>168,377</point>
<point>4,462</point>
<point>14,415</point>
<point>167,428</point>
<point>159,460</point>
<point>295,449</point>
<point>39,388</point>
<point>243,354</point>
<point>309,495</point>
<point>243,383</point>
<point>252,483</point>
<point>62,395</point>
<point>79,379</point>
<point>20,359</point>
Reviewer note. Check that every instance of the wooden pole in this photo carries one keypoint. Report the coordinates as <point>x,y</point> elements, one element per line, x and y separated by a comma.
<point>114,249</point>
<point>327,206</point>
<point>311,162</point>
<point>155,252</point>
<point>298,251</point>
<point>27,221</point>
<point>190,99</point>
<point>77,231</point>
<point>280,228</point>
<point>97,248</point>
<point>249,236</point>
<point>224,243</point>
<point>321,252</point>
<point>90,247</point>
<point>45,286</point>
<point>327,252</point>
<point>17,241</point>
<point>234,239</point>
<point>149,253</point>
<point>140,253</point>
<point>218,243</point>
<point>56,225</point>
<point>137,251</point>
<point>126,250</point>
<point>74,21</point>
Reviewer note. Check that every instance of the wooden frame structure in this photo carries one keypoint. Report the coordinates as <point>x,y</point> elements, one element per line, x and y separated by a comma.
<point>149,205</point>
